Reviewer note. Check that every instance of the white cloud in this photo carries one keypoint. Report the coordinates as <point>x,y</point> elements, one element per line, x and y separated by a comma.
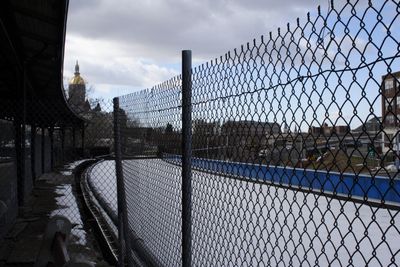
<point>106,62</point>
<point>103,88</point>
<point>138,43</point>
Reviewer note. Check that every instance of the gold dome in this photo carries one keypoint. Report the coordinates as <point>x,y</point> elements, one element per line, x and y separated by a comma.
<point>77,79</point>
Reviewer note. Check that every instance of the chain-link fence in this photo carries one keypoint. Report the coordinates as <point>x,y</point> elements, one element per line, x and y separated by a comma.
<point>283,152</point>
<point>294,149</point>
<point>150,125</point>
<point>92,194</point>
<point>39,152</point>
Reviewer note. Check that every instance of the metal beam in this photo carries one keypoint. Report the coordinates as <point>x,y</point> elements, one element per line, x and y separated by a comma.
<point>8,27</point>
<point>33,152</point>
<point>43,150</point>
<point>37,37</point>
<point>35,15</point>
<point>51,135</point>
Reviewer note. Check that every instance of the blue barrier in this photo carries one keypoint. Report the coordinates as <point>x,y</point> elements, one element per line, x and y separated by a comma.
<point>375,188</point>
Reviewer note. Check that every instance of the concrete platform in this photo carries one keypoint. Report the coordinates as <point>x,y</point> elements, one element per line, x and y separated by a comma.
<point>54,194</point>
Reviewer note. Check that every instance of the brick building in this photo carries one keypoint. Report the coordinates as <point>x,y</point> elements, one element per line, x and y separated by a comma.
<point>390,110</point>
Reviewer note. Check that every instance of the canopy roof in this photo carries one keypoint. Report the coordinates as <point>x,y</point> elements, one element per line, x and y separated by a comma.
<point>32,35</point>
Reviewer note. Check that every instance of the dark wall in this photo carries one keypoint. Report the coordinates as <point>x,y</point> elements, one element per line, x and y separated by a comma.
<point>8,171</point>
<point>8,178</point>
<point>38,155</point>
<point>28,180</point>
<point>47,155</point>
<point>8,196</point>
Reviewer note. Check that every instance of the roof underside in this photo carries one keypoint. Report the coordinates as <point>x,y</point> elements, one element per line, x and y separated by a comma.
<point>32,34</point>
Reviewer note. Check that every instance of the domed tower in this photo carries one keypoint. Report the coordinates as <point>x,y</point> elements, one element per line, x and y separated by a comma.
<point>77,91</point>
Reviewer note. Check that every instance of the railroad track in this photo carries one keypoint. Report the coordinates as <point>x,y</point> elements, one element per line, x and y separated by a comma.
<point>104,223</point>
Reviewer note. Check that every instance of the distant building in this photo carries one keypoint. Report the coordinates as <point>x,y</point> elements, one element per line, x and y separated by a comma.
<point>370,127</point>
<point>367,136</point>
<point>286,128</point>
<point>329,130</point>
<point>201,127</point>
<point>250,128</point>
<point>77,92</point>
<point>390,109</point>
<point>244,139</point>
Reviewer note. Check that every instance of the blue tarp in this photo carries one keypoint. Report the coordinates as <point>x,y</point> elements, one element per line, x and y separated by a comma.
<point>372,188</point>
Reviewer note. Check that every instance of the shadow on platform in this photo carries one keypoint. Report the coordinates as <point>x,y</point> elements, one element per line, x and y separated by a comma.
<point>53,194</point>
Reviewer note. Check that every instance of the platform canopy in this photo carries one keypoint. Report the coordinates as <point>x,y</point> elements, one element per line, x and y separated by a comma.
<point>32,38</point>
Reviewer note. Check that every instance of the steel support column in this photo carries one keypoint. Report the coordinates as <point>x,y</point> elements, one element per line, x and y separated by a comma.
<point>20,157</point>
<point>51,136</point>
<point>83,140</point>
<point>62,133</point>
<point>42,150</point>
<point>73,143</point>
<point>33,150</point>
<point>20,128</point>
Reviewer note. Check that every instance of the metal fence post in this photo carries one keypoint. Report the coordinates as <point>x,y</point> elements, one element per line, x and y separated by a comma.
<point>83,140</point>
<point>123,227</point>
<point>20,157</point>
<point>62,144</point>
<point>33,149</point>
<point>51,136</point>
<point>73,143</point>
<point>20,135</point>
<point>186,157</point>
<point>43,150</point>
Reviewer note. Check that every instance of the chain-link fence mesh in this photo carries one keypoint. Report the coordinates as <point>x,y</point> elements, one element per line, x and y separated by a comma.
<point>93,140</point>
<point>295,148</point>
<point>8,171</point>
<point>39,152</point>
<point>150,123</point>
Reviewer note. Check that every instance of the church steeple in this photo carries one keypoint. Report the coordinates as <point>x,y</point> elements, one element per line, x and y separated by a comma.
<point>76,68</point>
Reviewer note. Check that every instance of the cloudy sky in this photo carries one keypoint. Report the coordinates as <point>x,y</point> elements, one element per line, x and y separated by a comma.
<point>124,45</point>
